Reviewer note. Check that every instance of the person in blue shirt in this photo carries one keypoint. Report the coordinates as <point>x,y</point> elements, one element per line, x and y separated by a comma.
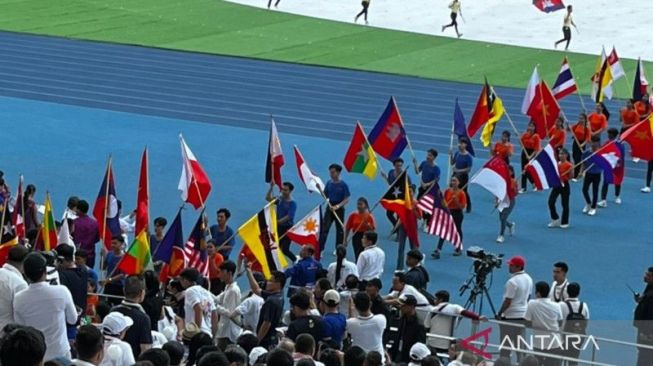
<point>462,164</point>
<point>113,283</point>
<point>80,261</point>
<point>398,165</point>
<point>286,208</point>
<point>335,324</point>
<point>304,272</point>
<point>430,175</point>
<point>592,178</point>
<point>337,193</point>
<point>223,234</point>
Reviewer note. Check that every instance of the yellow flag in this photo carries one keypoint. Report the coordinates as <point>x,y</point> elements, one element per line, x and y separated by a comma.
<point>495,115</point>
<point>260,235</point>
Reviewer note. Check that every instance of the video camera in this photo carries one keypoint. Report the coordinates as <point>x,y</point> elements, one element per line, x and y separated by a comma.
<point>484,262</point>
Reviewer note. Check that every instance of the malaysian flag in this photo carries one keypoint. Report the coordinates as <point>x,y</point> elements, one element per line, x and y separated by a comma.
<point>441,223</point>
<point>195,247</point>
<point>565,83</point>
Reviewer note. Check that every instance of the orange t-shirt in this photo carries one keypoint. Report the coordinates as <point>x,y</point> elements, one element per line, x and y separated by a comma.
<point>641,108</point>
<point>565,169</point>
<point>581,133</point>
<point>629,117</point>
<point>531,141</point>
<point>214,266</point>
<point>557,137</point>
<point>597,122</point>
<point>503,150</point>
<point>450,199</point>
<point>360,223</point>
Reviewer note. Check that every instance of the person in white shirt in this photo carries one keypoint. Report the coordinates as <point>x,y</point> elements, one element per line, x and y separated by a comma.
<point>30,307</point>
<point>199,305</point>
<point>516,294</point>
<point>400,289</point>
<point>372,260</point>
<point>571,323</point>
<point>11,282</point>
<point>338,271</point>
<point>366,330</point>
<point>558,291</point>
<point>249,309</point>
<point>89,344</point>
<point>116,351</point>
<point>544,317</point>
<point>226,303</point>
<point>71,208</point>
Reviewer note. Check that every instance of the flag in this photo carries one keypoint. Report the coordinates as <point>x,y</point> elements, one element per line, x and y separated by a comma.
<point>565,83</point>
<point>307,231</point>
<point>607,158</point>
<point>441,223</point>
<point>137,258</point>
<point>399,200</point>
<point>312,182</point>
<point>460,129</point>
<point>488,111</point>
<point>260,235</point>
<point>640,84</point>
<point>544,169</point>
<point>17,217</point>
<point>195,247</point>
<point>143,198</point>
<point>105,210</point>
<point>531,89</point>
<point>615,65</point>
<point>602,79</point>
<point>360,157</point>
<point>495,177</point>
<point>48,227</point>
<point>544,110</point>
<point>548,6</point>
<point>194,184</point>
<point>64,236</point>
<point>5,247</point>
<point>388,137</point>
<point>495,115</point>
<point>275,159</point>
<point>8,238</point>
<point>171,250</point>
<point>640,139</point>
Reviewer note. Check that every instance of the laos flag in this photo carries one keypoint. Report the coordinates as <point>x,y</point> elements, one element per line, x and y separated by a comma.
<point>548,6</point>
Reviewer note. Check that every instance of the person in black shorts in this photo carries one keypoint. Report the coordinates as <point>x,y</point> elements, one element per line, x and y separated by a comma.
<point>366,5</point>
<point>275,4</point>
<point>566,29</point>
<point>455,9</point>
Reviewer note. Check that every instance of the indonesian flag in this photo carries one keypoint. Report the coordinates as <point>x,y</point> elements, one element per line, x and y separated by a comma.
<point>17,217</point>
<point>307,231</point>
<point>275,158</point>
<point>194,184</point>
<point>495,177</point>
<point>312,182</point>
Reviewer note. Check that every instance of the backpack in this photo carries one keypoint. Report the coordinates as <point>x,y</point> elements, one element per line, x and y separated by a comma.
<point>576,322</point>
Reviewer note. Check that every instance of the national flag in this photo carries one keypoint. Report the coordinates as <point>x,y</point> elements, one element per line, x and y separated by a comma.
<point>171,250</point>
<point>48,227</point>
<point>565,84</point>
<point>64,236</point>
<point>544,110</point>
<point>531,89</point>
<point>195,247</point>
<point>495,115</point>
<point>544,169</point>
<point>388,137</point>
<point>399,200</point>
<point>143,197</point>
<point>5,247</point>
<point>640,139</point>
<point>615,65</point>
<point>488,111</point>
<point>441,223</point>
<point>17,217</point>
<point>275,159</point>
<point>312,182</point>
<point>495,177</point>
<point>460,129</point>
<point>8,238</point>
<point>640,84</point>
<point>602,79</point>
<point>105,210</point>
<point>548,6</point>
<point>607,158</point>
<point>194,184</point>
<point>360,157</point>
<point>307,231</point>
<point>260,235</point>
<point>137,258</point>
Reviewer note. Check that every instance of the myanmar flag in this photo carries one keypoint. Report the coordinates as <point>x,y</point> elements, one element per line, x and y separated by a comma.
<point>360,157</point>
<point>49,229</point>
<point>260,235</point>
<point>137,258</point>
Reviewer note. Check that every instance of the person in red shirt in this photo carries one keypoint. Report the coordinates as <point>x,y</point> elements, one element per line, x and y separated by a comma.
<point>504,148</point>
<point>557,135</point>
<point>598,121</point>
<point>566,170</point>
<point>359,223</point>
<point>628,116</point>
<point>582,135</point>
<point>215,260</point>
<point>505,213</point>
<point>531,144</point>
<point>456,200</point>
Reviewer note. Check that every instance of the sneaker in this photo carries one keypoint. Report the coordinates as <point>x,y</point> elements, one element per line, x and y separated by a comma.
<point>636,160</point>
<point>602,204</point>
<point>554,223</point>
<point>564,226</point>
<point>521,191</point>
<point>617,200</point>
<point>511,228</point>
<point>435,255</point>
<point>586,209</point>
<point>460,35</point>
<point>592,212</point>
<point>443,27</point>
<point>646,190</point>
<point>500,239</point>
<point>367,23</point>
<point>457,253</point>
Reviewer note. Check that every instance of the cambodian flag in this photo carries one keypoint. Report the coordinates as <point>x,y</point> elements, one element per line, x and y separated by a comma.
<point>388,137</point>
<point>544,169</point>
<point>548,6</point>
<point>609,158</point>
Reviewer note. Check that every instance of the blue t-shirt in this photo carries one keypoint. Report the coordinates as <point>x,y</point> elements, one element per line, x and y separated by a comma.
<point>221,236</point>
<point>334,326</point>
<point>392,177</point>
<point>304,272</point>
<point>593,168</point>
<point>111,262</point>
<point>286,208</point>
<point>462,161</point>
<point>429,172</point>
<point>92,275</point>
<point>336,192</point>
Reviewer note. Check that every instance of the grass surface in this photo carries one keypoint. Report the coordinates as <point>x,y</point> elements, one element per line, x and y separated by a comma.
<point>214,26</point>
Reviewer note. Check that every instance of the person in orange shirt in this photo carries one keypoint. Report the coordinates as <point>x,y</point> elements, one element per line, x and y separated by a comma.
<point>566,170</point>
<point>531,144</point>
<point>215,260</point>
<point>504,148</point>
<point>628,116</point>
<point>456,201</point>
<point>359,223</point>
<point>582,136</point>
<point>557,135</point>
<point>642,107</point>
<point>598,120</point>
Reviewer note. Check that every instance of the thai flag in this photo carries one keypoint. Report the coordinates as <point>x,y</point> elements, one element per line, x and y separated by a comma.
<point>544,169</point>
<point>565,83</point>
<point>608,159</point>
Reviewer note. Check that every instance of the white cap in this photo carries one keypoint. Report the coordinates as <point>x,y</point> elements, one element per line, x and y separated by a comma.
<point>419,351</point>
<point>331,297</point>
<point>255,353</point>
<point>115,323</point>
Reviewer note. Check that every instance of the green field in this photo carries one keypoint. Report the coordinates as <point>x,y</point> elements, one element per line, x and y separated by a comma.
<point>214,26</point>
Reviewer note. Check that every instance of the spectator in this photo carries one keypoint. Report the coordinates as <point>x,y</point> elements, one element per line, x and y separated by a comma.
<point>197,342</point>
<point>139,336</point>
<point>530,360</point>
<point>355,356</point>
<point>247,341</point>
<point>86,233</point>
<point>157,356</point>
<point>305,348</point>
<point>418,353</point>
<point>560,282</point>
<point>373,358</point>
<point>258,355</point>
<point>330,357</point>
<point>339,270</point>
<point>544,316</point>
<point>304,272</point>
<point>226,303</point>
<point>416,276</point>
<point>74,278</point>
<point>81,256</point>
<point>411,331</point>
<point>272,309</point>
<point>379,306</point>
<point>199,306</point>
<point>304,322</point>
<point>89,346</point>
<point>335,323</point>
<point>153,301</point>
<point>11,282</point>
<point>114,282</point>
<point>155,239</point>
<point>24,346</point>
<point>516,294</point>
<point>116,351</point>
<point>441,321</point>
<point>372,260</point>
<point>51,319</point>
<point>214,358</point>
<point>346,306</point>
<point>575,314</point>
<point>366,329</point>
<point>175,351</point>
<point>236,355</point>
<point>279,357</point>
<point>400,289</point>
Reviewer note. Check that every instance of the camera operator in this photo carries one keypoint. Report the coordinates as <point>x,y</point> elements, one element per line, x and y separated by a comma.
<point>517,292</point>
<point>644,320</point>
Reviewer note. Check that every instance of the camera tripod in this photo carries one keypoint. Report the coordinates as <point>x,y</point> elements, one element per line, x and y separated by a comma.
<point>479,288</point>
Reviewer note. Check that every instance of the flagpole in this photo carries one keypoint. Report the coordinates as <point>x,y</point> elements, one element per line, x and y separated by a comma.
<point>106,209</point>
<point>4,216</point>
<point>450,151</point>
<point>580,97</point>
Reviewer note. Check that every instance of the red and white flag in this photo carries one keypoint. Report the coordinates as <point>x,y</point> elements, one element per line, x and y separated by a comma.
<point>307,231</point>
<point>312,182</point>
<point>495,177</point>
<point>17,217</point>
<point>275,158</point>
<point>615,65</point>
<point>194,184</point>
<point>531,89</point>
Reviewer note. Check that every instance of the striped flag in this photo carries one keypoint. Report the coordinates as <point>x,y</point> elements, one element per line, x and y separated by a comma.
<point>17,218</point>
<point>441,223</point>
<point>565,83</point>
<point>195,248</point>
<point>544,169</point>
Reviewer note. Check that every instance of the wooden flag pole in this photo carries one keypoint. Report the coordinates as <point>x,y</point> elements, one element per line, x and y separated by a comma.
<point>449,166</point>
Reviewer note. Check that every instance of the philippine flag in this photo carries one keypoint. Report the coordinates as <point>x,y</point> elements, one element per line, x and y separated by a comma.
<point>544,169</point>
<point>608,158</point>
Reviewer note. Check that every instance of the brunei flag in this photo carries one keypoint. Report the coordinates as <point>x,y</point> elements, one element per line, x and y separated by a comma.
<point>399,200</point>
<point>259,234</point>
<point>137,259</point>
<point>48,228</point>
<point>360,157</point>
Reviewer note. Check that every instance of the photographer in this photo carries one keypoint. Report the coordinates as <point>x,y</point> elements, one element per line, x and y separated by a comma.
<point>517,292</point>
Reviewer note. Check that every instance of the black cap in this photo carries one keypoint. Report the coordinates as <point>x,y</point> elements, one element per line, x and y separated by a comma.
<point>34,265</point>
<point>416,254</point>
<point>17,253</point>
<point>375,282</point>
<point>65,251</point>
<point>409,300</point>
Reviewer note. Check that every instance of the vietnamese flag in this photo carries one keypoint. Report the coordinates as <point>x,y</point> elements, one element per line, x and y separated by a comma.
<point>640,139</point>
<point>543,110</point>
